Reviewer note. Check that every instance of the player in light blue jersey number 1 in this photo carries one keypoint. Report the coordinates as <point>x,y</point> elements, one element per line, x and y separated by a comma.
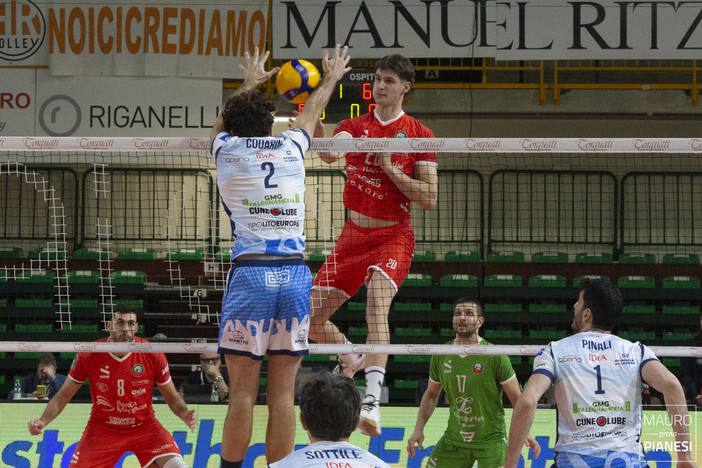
<point>597,381</point>
<point>330,408</point>
<point>265,309</point>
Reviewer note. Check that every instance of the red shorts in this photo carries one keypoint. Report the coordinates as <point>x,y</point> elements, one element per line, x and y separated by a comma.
<point>360,251</point>
<point>102,446</point>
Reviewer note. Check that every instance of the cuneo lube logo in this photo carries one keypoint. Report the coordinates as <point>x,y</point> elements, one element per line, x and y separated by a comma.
<point>22,29</point>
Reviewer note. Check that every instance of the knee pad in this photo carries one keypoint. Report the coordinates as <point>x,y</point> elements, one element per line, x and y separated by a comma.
<point>175,462</point>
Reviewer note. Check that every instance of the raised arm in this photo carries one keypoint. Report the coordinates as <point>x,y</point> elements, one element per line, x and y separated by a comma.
<point>422,190</point>
<point>177,405</point>
<point>54,406</point>
<point>523,417</point>
<point>334,69</point>
<point>255,75</point>
<point>661,379</point>
<point>426,409</point>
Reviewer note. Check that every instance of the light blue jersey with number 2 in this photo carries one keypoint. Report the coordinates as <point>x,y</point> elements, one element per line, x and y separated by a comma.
<point>261,182</point>
<point>597,383</point>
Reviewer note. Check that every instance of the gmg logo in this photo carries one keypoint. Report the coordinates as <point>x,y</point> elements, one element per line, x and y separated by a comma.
<point>22,29</point>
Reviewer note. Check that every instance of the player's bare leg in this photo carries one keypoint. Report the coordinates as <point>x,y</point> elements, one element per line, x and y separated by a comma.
<point>243,390</point>
<point>323,304</point>
<point>280,397</point>
<point>379,297</point>
<point>173,461</point>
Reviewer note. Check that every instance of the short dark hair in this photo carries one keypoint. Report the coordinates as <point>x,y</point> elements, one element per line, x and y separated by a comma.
<point>465,300</point>
<point>47,359</point>
<point>604,300</point>
<point>248,114</point>
<point>399,64</point>
<point>329,406</point>
<point>121,309</point>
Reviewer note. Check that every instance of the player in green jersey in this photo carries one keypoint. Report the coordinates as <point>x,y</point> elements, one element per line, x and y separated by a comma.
<point>473,384</point>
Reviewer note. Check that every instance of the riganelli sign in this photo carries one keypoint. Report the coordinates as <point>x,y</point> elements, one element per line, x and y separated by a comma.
<point>506,30</point>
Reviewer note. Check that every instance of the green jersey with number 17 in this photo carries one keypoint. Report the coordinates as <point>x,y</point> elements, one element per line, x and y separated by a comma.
<point>473,389</point>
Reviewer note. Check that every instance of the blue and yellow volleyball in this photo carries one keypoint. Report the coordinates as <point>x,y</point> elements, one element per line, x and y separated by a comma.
<point>296,80</point>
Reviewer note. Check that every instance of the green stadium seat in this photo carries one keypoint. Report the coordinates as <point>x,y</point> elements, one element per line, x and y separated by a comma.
<point>681,259</point>
<point>677,335</point>
<point>91,253</point>
<point>186,254</point>
<point>515,360</point>
<point>22,303</point>
<point>591,257</point>
<point>3,303</point>
<point>637,259</point>
<point>680,309</point>
<point>353,305</point>
<point>417,280</point>
<point>11,252</point>
<point>223,255</point>
<point>548,308</point>
<point>549,257</point>
<point>447,333</point>
<point>411,358</point>
<point>36,276</point>
<point>137,253</point>
<point>83,277</point>
<point>505,257</point>
<point>80,303</point>
<point>462,256</point>
<point>86,328</point>
<point>42,253</point>
<point>412,331</point>
<point>424,256</point>
<point>357,332</point>
<point>638,335</point>
<point>138,304</point>
<point>578,279</point>
<point>502,307</point>
<point>318,255</point>
<point>322,358</point>
<point>503,281</point>
<point>446,307</point>
<point>458,281</point>
<point>502,334</point>
<point>34,328</point>
<point>670,362</point>
<point>639,282</point>
<point>681,282</point>
<point>66,355</point>
<point>402,383</point>
<point>547,281</point>
<point>413,306</point>
<point>128,277</point>
<point>551,335</point>
<point>33,355</point>
<point>639,309</point>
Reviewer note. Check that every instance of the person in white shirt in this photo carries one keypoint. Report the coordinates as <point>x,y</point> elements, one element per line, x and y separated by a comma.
<point>330,408</point>
<point>597,379</point>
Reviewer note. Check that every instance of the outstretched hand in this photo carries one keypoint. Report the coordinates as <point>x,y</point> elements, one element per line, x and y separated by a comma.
<point>255,73</point>
<point>337,66</point>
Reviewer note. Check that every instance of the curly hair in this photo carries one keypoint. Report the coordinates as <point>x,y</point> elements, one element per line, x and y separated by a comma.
<point>248,114</point>
<point>330,406</point>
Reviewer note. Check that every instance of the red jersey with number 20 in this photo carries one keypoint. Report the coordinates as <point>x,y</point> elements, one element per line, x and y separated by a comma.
<point>121,388</point>
<point>369,190</point>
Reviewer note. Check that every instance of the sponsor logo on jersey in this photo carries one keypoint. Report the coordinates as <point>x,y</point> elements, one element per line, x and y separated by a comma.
<point>264,156</point>
<point>463,405</point>
<point>162,448</point>
<point>137,383</point>
<point>237,337</point>
<point>276,199</point>
<point>595,346</point>
<point>103,387</point>
<point>596,357</point>
<point>116,421</point>
<point>130,407</point>
<point>624,359</point>
<point>105,372</point>
<point>301,336</point>
<point>401,134</point>
<point>236,159</point>
<point>273,211</point>
<point>104,404</point>
<point>600,407</point>
<point>569,358</point>
<point>138,370</point>
<point>600,421</point>
<point>138,391</point>
<point>478,368</point>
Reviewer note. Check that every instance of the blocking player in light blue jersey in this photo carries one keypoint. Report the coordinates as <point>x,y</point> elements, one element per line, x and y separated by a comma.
<point>265,308</point>
<point>330,408</point>
<point>597,380</point>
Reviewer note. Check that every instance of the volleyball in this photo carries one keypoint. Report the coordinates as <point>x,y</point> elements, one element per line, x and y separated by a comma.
<point>296,80</point>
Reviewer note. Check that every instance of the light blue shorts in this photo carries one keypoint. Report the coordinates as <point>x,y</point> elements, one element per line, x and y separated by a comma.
<point>266,308</point>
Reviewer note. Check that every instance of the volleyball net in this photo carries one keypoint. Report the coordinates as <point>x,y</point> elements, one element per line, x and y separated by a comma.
<point>87,224</point>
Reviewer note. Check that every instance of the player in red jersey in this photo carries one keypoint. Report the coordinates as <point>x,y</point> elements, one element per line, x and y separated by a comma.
<point>376,244</point>
<point>122,418</point>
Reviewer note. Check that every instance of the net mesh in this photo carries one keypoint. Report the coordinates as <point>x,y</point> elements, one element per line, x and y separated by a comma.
<point>86,224</point>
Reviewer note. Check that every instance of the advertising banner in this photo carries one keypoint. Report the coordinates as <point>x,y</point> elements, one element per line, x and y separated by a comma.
<point>202,449</point>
